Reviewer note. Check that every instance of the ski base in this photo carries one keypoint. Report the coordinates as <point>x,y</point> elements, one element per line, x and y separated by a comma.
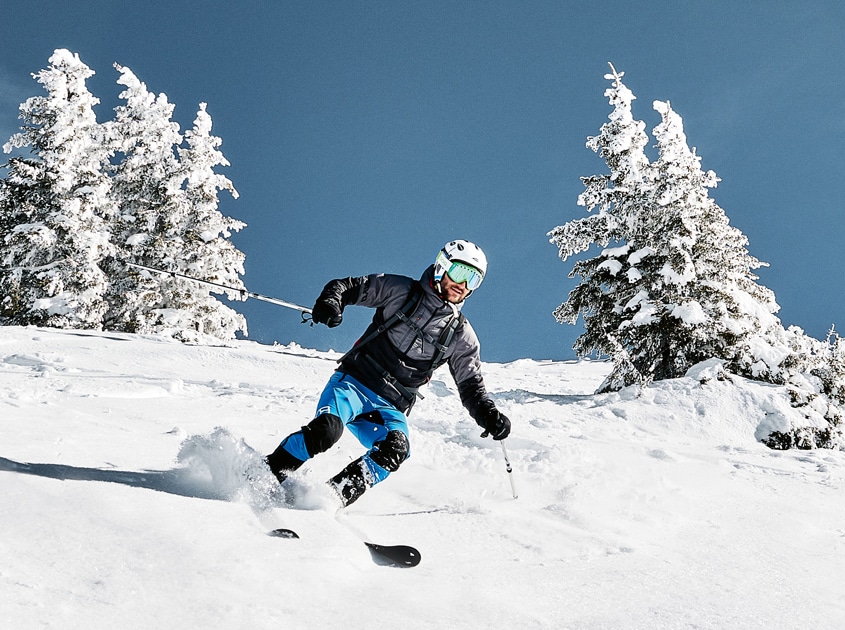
<point>283,533</point>
<point>402,556</point>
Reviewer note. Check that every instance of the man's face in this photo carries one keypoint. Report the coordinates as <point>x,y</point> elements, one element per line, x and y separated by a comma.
<point>452,291</point>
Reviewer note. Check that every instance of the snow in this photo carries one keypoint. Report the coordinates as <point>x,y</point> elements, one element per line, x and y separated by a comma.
<point>637,257</point>
<point>690,312</point>
<point>614,252</point>
<point>673,277</point>
<point>121,480</point>
<point>613,266</point>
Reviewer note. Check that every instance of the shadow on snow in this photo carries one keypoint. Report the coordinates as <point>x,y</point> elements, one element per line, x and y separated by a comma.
<point>179,481</point>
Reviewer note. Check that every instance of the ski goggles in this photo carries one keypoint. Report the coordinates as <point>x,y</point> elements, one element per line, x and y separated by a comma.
<point>460,272</point>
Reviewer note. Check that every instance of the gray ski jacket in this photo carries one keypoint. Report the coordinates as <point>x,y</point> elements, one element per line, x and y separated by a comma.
<point>395,363</point>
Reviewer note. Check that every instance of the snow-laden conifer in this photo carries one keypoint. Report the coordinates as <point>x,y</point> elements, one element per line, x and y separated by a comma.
<point>56,208</point>
<point>676,287</point>
<point>615,197</point>
<point>168,219</point>
<point>615,201</point>
<point>147,189</point>
<point>203,249</point>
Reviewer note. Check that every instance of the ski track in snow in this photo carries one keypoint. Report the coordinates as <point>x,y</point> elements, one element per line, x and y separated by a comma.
<point>123,462</point>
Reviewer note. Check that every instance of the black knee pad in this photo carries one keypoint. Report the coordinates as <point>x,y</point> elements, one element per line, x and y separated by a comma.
<point>322,433</point>
<point>391,451</point>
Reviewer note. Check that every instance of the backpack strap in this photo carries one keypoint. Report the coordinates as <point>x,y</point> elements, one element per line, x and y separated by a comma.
<point>403,313</point>
<point>446,337</point>
<point>427,338</point>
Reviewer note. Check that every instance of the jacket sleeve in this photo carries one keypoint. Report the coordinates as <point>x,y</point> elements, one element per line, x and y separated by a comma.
<point>465,365</point>
<point>474,397</point>
<point>342,292</point>
<point>373,291</point>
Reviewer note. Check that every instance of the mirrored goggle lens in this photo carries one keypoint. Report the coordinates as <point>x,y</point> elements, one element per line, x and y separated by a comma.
<point>460,273</point>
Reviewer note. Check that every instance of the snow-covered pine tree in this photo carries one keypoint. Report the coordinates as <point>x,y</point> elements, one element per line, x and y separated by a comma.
<point>617,199</point>
<point>678,286</point>
<point>168,220</point>
<point>696,295</point>
<point>739,313</point>
<point>621,142</point>
<point>56,206</point>
<point>203,249</point>
<point>147,189</point>
<point>814,375</point>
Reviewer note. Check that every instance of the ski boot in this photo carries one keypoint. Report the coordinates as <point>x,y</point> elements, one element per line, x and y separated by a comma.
<point>351,482</point>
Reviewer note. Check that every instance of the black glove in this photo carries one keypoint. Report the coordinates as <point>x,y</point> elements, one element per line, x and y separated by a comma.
<point>495,423</point>
<point>327,312</point>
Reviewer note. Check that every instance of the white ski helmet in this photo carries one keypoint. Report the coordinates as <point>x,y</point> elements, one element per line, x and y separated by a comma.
<point>463,261</point>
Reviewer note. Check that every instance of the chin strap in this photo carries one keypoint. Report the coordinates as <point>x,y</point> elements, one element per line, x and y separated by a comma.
<point>435,284</point>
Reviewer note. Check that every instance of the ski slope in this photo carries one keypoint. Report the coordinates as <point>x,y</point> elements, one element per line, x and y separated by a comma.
<point>123,500</point>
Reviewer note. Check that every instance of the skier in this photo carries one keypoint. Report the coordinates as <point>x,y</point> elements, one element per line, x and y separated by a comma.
<point>417,327</point>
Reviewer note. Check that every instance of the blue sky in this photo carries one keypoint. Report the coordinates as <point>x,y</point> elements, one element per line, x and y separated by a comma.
<point>364,135</point>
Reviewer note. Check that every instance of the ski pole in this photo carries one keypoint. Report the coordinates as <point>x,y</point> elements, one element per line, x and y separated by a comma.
<point>509,468</point>
<point>257,296</point>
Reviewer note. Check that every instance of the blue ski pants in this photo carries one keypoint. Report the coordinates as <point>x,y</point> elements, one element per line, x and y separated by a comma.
<point>366,414</point>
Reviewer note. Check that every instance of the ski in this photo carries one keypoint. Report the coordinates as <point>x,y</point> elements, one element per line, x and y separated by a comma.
<point>283,533</point>
<point>402,556</point>
<point>394,555</point>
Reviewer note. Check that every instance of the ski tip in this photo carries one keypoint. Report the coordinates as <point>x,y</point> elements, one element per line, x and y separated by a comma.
<point>283,533</point>
<point>394,555</point>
